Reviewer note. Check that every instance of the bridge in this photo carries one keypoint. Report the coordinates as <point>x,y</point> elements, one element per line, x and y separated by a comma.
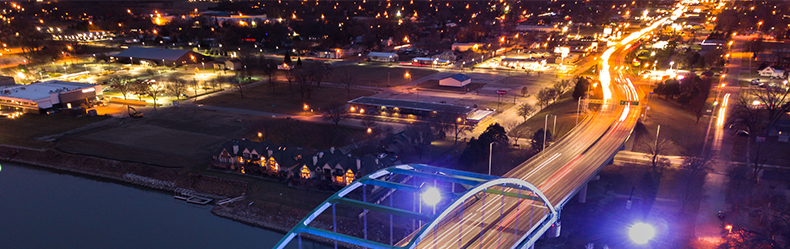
<point>456,209</point>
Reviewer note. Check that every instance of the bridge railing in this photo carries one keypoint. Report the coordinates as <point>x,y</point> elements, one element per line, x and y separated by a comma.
<point>385,194</point>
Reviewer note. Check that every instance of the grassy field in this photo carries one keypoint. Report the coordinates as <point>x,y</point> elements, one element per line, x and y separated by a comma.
<point>678,126</point>
<point>378,75</point>
<point>23,131</point>
<point>187,137</point>
<point>564,108</point>
<point>283,100</point>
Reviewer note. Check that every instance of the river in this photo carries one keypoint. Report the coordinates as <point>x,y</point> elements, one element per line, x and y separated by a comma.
<point>41,208</point>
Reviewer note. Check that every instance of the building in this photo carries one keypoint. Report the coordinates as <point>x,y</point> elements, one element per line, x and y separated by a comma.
<point>382,56</point>
<point>446,55</point>
<point>456,80</point>
<point>463,47</point>
<point>773,72</point>
<point>523,63</point>
<point>43,96</point>
<point>266,158</point>
<point>233,64</point>
<point>158,56</point>
<point>7,81</point>
<point>538,28</point>
<point>429,61</point>
<point>404,108</point>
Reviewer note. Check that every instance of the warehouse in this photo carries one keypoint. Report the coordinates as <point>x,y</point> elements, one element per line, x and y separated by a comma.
<point>40,97</point>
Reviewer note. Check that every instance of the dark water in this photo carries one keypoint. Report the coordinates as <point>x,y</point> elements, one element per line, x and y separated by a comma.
<point>45,209</point>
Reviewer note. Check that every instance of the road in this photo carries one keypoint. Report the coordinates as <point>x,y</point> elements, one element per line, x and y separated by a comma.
<point>495,221</point>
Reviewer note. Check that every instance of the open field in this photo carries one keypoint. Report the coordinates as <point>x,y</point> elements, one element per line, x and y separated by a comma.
<point>188,136</point>
<point>564,108</point>
<point>22,131</point>
<point>378,75</point>
<point>283,100</point>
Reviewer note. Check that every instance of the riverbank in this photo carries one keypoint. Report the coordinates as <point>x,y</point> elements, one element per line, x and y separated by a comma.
<point>270,216</point>
<point>149,176</point>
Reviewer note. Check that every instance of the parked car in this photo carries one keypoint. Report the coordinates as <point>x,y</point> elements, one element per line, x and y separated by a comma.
<point>755,82</point>
<point>742,133</point>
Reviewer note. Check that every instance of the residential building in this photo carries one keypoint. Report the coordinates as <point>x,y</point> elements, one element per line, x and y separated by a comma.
<point>382,56</point>
<point>772,71</point>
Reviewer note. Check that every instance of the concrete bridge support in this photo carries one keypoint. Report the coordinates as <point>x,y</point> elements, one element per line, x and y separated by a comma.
<point>583,194</point>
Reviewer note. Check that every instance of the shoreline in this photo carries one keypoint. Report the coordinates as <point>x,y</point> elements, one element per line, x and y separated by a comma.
<point>162,179</point>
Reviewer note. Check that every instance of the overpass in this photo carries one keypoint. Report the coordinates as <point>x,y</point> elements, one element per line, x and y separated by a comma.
<point>468,210</point>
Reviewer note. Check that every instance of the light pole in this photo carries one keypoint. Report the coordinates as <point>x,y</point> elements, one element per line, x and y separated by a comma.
<point>545,127</point>
<point>670,65</point>
<point>490,150</point>
<point>658,129</point>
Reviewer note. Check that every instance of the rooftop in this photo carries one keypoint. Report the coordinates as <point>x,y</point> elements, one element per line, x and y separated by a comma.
<point>459,77</point>
<point>413,105</point>
<point>152,53</point>
<point>41,90</point>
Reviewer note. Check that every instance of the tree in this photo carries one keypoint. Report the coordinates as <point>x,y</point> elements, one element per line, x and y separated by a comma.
<point>154,90</point>
<point>122,84</point>
<point>581,88</point>
<point>526,110</point>
<point>537,140</point>
<point>524,91</point>
<point>270,70</point>
<point>756,111</point>
<point>517,132</point>
<point>561,87</point>
<point>238,84</point>
<point>655,151</point>
<point>547,96</point>
<point>348,79</point>
<point>336,113</point>
<point>460,128</point>
<point>287,58</point>
<point>177,85</point>
<point>693,171</point>
<point>195,85</point>
<point>477,148</point>
<point>443,121</point>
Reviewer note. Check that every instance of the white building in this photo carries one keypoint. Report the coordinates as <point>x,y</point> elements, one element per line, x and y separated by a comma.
<point>38,97</point>
<point>382,56</point>
<point>773,72</point>
<point>456,80</point>
<point>463,47</point>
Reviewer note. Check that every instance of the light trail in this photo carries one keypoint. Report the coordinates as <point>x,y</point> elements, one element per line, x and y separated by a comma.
<point>723,110</point>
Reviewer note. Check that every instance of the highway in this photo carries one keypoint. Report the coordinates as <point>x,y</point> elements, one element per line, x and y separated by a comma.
<point>499,221</point>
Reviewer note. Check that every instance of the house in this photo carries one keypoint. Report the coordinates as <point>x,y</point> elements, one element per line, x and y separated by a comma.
<point>233,64</point>
<point>456,80</point>
<point>382,56</point>
<point>771,71</point>
<point>446,55</point>
<point>6,81</point>
<point>463,47</point>
<point>245,155</point>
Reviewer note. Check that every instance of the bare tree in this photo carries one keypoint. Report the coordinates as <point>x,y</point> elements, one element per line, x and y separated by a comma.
<point>195,85</point>
<point>694,170</point>
<point>443,121</point>
<point>336,113</point>
<point>265,128</point>
<point>460,128</point>
<point>177,86</point>
<point>348,79</point>
<point>269,68</point>
<point>525,110</point>
<point>656,150</point>
<point>562,86</point>
<point>154,90</point>
<point>515,132</point>
<point>756,111</point>
<point>546,96</point>
<point>238,84</point>
<point>123,84</point>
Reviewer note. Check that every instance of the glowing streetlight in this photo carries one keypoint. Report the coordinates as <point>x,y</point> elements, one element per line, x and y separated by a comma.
<point>729,228</point>
<point>260,135</point>
<point>641,233</point>
<point>431,196</point>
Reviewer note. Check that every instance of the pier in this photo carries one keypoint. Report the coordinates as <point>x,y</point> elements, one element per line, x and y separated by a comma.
<point>190,196</point>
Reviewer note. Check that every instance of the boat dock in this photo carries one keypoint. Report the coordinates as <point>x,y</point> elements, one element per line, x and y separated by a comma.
<point>190,196</point>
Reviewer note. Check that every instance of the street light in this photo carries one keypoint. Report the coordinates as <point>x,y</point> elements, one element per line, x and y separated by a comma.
<point>490,150</point>
<point>670,65</point>
<point>641,233</point>
<point>431,196</point>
